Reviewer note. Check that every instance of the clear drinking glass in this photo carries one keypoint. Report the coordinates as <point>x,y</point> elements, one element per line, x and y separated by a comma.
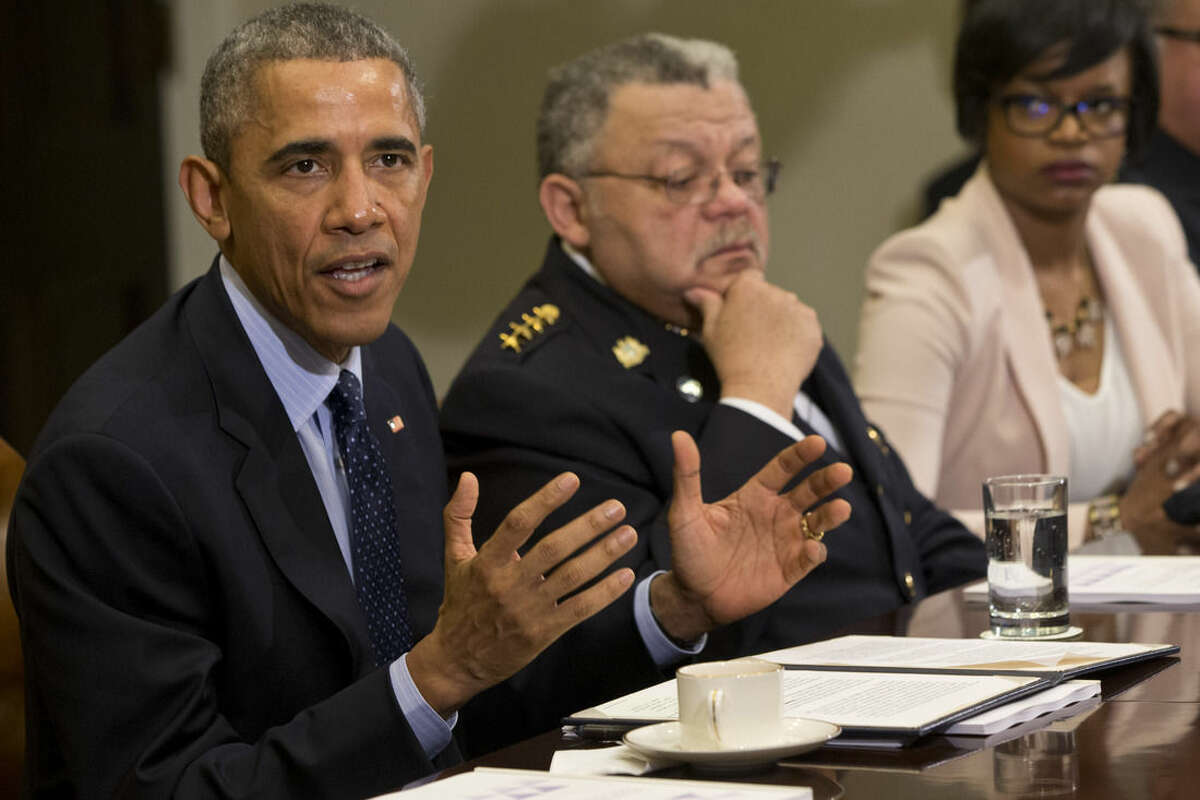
<point>1041,764</point>
<point>1026,523</point>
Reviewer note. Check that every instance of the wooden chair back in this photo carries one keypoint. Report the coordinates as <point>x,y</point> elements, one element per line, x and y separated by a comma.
<point>12,689</point>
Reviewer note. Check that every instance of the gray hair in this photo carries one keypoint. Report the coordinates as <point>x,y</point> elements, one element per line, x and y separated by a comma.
<point>304,30</point>
<point>575,103</point>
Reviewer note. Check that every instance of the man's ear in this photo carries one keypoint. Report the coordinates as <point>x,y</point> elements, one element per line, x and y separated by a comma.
<point>202,181</point>
<point>563,204</point>
<point>426,157</point>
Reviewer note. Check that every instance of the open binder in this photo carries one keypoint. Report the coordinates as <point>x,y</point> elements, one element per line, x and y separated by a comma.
<point>890,691</point>
<point>1054,661</point>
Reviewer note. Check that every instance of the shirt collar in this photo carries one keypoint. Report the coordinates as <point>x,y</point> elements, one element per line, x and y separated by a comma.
<point>581,261</point>
<point>302,377</point>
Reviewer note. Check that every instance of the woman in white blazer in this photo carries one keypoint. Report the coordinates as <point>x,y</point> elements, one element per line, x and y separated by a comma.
<point>1043,320</point>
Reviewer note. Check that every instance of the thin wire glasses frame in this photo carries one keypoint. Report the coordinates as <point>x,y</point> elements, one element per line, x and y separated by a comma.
<point>687,187</point>
<point>1035,115</point>
<point>1183,34</point>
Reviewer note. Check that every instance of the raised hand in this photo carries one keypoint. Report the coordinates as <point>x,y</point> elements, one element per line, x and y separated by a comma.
<point>734,557</point>
<point>501,609</point>
<point>763,341</point>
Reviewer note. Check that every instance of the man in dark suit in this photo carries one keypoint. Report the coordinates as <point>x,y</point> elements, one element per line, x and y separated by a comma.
<point>651,312</point>
<point>230,557</point>
<point>1170,161</point>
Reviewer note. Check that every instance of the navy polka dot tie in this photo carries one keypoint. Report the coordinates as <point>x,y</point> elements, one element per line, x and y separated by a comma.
<point>378,577</point>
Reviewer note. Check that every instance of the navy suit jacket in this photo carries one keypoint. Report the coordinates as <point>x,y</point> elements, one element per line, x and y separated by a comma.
<point>188,623</point>
<point>560,399</point>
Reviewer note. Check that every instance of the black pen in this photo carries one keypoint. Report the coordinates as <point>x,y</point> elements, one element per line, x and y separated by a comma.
<point>597,731</point>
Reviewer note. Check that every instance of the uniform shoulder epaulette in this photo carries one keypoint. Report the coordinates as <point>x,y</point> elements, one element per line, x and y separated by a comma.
<point>523,333</point>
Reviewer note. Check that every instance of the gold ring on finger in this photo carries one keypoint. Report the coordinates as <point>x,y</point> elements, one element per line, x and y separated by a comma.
<point>810,532</point>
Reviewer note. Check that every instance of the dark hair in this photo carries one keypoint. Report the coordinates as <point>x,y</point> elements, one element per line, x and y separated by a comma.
<point>318,31</point>
<point>1000,38</point>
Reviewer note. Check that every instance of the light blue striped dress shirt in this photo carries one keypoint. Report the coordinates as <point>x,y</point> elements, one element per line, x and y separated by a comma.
<point>303,379</point>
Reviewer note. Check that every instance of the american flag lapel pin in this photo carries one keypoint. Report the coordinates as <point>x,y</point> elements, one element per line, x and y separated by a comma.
<point>395,424</point>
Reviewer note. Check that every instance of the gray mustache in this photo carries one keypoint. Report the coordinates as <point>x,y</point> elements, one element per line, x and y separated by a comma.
<point>734,233</point>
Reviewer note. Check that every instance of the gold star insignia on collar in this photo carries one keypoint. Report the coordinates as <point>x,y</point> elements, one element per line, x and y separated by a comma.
<point>630,352</point>
<point>535,321</point>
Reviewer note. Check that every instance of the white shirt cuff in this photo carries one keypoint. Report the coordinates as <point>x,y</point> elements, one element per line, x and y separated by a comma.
<point>664,651</point>
<point>427,725</point>
<point>804,407</point>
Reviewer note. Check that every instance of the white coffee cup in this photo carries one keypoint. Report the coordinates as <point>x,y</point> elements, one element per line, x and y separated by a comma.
<point>730,705</point>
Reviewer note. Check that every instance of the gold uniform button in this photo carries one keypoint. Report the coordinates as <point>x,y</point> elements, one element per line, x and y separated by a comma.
<point>689,389</point>
<point>875,437</point>
<point>908,518</point>
<point>879,489</point>
<point>910,584</point>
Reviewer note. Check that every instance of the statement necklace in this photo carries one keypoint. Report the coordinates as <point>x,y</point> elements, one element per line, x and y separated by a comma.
<point>1081,332</point>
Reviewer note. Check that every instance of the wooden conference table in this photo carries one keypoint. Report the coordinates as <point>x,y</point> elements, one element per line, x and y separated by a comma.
<point>1142,741</point>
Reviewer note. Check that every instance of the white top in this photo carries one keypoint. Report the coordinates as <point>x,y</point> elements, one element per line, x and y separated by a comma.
<point>1103,428</point>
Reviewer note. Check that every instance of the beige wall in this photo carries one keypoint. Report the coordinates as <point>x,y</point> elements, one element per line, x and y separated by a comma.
<point>851,94</point>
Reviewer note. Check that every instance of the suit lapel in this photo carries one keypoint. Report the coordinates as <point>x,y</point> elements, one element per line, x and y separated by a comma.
<point>830,388</point>
<point>1028,349</point>
<point>275,481</point>
<point>1155,379</point>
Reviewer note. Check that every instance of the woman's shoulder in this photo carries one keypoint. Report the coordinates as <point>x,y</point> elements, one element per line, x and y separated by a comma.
<point>1134,211</point>
<point>954,237</point>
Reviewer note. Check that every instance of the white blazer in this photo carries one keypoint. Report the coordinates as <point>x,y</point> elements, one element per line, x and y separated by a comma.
<point>955,361</point>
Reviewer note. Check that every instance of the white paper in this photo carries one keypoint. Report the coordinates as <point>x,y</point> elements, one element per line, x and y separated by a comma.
<point>850,699</point>
<point>1027,708</point>
<point>1164,580</point>
<point>914,652</point>
<point>617,760</point>
<point>879,700</point>
<point>512,784</point>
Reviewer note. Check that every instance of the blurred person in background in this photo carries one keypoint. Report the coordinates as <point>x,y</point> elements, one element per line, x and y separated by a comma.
<point>1043,321</point>
<point>1171,161</point>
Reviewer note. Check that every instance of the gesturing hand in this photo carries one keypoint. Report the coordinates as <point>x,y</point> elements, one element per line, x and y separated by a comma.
<point>738,555</point>
<point>501,609</point>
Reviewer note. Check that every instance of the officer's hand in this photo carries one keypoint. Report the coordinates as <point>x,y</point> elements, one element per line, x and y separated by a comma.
<point>734,557</point>
<point>763,341</point>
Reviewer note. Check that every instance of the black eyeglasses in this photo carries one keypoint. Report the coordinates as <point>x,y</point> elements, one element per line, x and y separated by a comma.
<point>1035,115</point>
<point>1182,34</point>
<point>690,187</point>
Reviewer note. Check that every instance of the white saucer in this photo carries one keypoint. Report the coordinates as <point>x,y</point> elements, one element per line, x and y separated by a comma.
<point>1072,632</point>
<point>664,741</point>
